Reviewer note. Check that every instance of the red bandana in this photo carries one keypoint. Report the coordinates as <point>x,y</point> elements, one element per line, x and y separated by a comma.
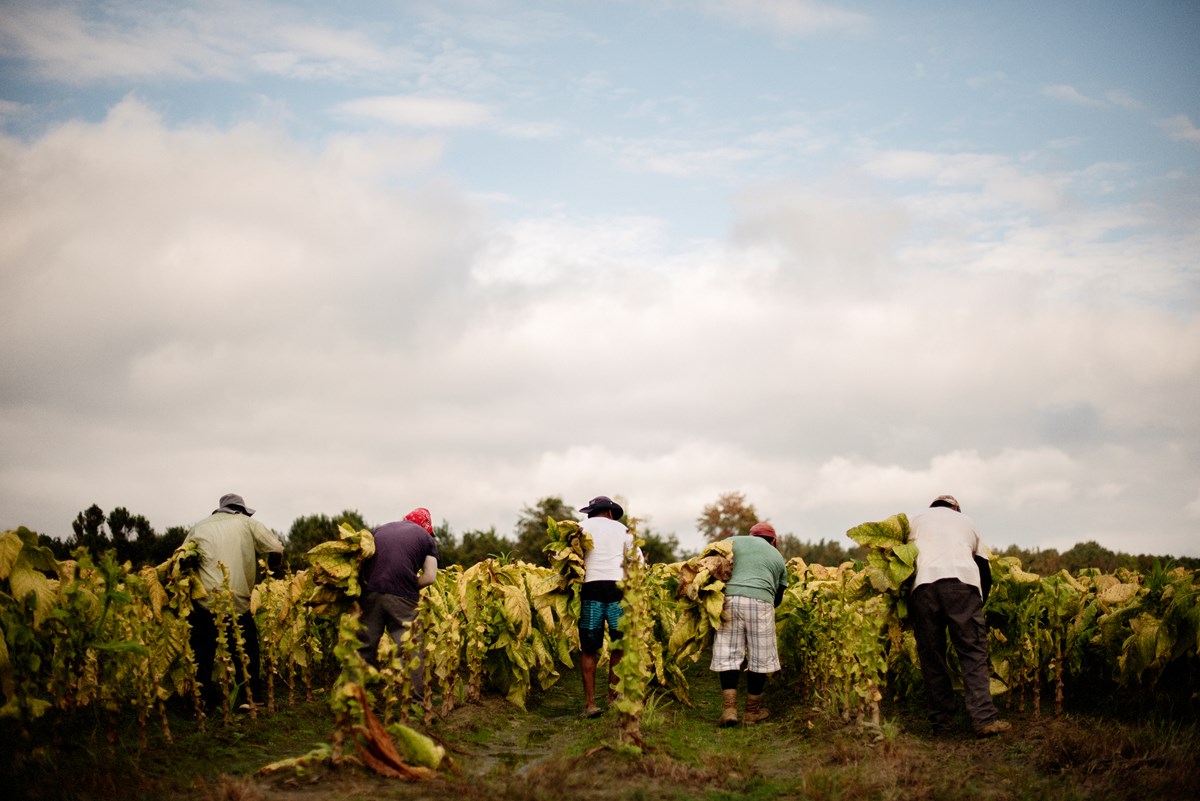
<point>421,517</point>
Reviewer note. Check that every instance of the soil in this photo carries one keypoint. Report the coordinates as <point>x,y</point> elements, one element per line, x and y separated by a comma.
<point>549,752</point>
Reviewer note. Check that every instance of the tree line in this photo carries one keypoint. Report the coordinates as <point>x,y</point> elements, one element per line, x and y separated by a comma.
<point>134,540</point>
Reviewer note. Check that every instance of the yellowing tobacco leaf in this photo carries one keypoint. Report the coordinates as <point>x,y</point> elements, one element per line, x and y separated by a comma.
<point>10,548</point>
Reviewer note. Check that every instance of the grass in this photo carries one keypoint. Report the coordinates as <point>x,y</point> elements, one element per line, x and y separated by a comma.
<point>547,752</point>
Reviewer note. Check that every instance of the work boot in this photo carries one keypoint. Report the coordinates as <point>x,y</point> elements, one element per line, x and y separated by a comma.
<point>755,711</point>
<point>992,728</point>
<point>729,716</point>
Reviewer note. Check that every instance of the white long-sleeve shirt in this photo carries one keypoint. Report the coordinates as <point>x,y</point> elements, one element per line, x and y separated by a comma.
<point>947,542</point>
<point>234,540</point>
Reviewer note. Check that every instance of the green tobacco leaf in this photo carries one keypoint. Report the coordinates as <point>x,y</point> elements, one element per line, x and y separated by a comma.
<point>907,553</point>
<point>24,580</point>
<point>38,557</point>
<point>416,748</point>
<point>884,534</point>
<point>37,708</point>
<point>686,630</point>
<point>126,647</point>
<point>516,609</point>
<point>898,570</point>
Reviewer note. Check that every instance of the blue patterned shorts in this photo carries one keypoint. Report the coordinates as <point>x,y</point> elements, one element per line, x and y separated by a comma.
<point>593,615</point>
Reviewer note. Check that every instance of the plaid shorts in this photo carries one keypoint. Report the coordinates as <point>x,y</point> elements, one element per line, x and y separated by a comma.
<point>747,628</point>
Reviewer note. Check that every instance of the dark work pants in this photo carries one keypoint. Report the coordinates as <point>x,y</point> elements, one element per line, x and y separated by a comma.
<point>204,646</point>
<point>954,606</point>
<point>384,612</point>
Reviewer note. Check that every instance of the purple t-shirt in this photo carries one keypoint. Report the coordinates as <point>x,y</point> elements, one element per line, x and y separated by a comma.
<point>400,551</point>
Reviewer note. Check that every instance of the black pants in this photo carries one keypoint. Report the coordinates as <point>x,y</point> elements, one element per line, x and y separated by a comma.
<point>204,646</point>
<point>952,606</point>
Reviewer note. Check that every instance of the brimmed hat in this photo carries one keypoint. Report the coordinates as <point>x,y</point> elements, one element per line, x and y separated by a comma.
<point>233,504</point>
<point>602,502</point>
<point>948,500</point>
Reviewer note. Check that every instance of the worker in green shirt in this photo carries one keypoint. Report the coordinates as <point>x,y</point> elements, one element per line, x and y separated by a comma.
<point>747,632</point>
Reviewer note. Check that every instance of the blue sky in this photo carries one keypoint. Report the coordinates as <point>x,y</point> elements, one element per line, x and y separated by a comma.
<point>841,257</point>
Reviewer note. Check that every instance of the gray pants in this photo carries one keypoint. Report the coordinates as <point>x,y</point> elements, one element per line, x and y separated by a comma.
<point>384,612</point>
<point>954,606</point>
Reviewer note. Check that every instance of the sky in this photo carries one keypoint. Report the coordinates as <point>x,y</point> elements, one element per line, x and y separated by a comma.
<point>840,257</point>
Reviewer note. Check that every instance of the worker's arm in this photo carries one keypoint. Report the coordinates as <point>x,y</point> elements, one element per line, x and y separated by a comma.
<point>428,572</point>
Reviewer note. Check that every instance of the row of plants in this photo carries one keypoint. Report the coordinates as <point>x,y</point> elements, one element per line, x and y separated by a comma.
<point>89,634</point>
<point>843,637</point>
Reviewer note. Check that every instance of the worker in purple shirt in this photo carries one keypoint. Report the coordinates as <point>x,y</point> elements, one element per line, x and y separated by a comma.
<point>405,560</point>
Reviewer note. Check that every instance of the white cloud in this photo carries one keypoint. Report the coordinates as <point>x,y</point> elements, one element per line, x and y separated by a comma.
<point>378,156</point>
<point>1180,128</point>
<point>64,45</point>
<point>417,112</point>
<point>1070,94</point>
<point>197,310</point>
<point>989,180</point>
<point>10,110</point>
<point>73,43</point>
<point>787,17</point>
<point>1193,508</point>
<point>1123,99</point>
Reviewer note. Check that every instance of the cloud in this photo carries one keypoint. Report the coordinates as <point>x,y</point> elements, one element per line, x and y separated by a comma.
<point>195,310</point>
<point>417,112</point>
<point>1071,95</point>
<point>77,44</point>
<point>10,110</point>
<point>310,52</point>
<point>984,181</point>
<point>1193,507</point>
<point>1180,128</point>
<point>787,17</point>
<point>64,45</point>
<point>1123,99</point>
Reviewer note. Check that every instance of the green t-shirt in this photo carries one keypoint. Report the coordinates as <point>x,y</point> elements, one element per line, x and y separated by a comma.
<point>758,569</point>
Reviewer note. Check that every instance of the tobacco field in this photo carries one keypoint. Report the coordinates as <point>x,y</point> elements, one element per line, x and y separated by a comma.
<point>1099,672</point>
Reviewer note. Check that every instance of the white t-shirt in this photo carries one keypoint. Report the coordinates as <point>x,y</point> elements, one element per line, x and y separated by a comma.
<point>606,560</point>
<point>947,542</point>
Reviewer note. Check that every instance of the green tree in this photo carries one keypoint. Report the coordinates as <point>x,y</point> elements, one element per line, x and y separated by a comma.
<point>530,531</point>
<point>659,548</point>
<point>165,545</point>
<point>729,516</point>
<point>479,545</point>
<point>311,530</point>
<point>447,544</point>
<point>822,552</point>
<point>1043,561</point>
<point>475,546</point>
<point>1090,554</point>
<point>90,532</point>
<point>132,536</point>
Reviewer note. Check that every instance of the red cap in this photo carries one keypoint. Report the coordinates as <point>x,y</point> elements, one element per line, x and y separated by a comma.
<point>764,530</point>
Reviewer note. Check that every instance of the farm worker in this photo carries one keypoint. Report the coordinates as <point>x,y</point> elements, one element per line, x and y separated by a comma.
<point>947,594</point>
<point>230,538</point>
<point>603,567</point>
<point>747,631</point>
<point>405,560</point>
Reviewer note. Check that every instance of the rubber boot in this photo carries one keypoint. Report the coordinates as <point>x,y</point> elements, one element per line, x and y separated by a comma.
<point>755,711</point>
<point>729,715</point>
